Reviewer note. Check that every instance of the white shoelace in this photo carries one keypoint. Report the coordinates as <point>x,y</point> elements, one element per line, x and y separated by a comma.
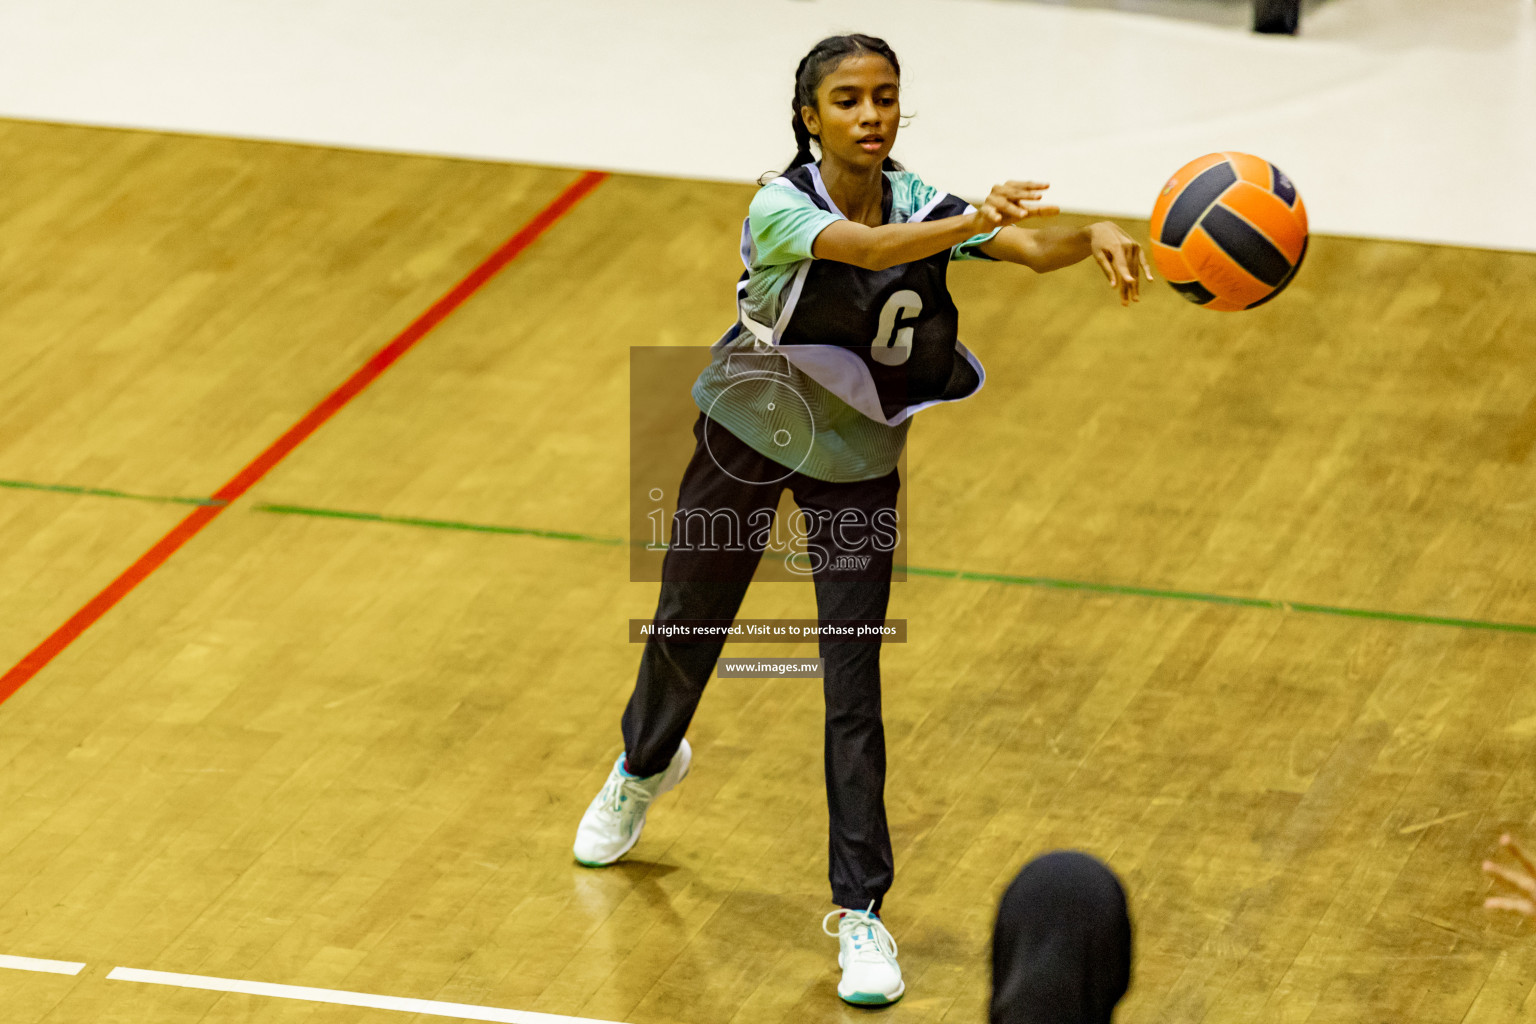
<point>881,945</point>
<point>623,795</point>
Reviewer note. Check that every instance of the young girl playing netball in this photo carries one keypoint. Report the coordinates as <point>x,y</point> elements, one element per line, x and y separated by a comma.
<point>845,289</point>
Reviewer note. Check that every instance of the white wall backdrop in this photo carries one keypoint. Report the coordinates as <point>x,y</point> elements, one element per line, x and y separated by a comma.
<point>1407,119</point>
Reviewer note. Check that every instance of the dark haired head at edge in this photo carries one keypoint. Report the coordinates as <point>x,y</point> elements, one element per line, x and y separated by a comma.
<point>1061,949</point>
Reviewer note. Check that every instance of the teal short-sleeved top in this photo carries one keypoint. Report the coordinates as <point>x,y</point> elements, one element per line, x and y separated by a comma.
<point>782,224</point>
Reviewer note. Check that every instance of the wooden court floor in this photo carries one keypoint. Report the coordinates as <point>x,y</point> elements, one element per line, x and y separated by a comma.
<point>350,751</point>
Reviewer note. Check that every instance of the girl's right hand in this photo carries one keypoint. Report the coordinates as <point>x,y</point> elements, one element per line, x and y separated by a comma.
<point>1010,203</point>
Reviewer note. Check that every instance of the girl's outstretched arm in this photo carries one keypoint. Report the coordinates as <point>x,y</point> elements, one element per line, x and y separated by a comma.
<point>1044,249</point>
<point>876,248</point>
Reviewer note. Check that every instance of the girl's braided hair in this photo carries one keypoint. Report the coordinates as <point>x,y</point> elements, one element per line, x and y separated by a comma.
<point>824,57</point>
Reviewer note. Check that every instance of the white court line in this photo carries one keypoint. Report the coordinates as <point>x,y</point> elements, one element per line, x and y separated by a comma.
<point>464,1011</point>
<point>29,963</point>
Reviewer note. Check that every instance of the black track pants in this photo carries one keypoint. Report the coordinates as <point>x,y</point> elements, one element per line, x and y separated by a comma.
<point>710,584</point>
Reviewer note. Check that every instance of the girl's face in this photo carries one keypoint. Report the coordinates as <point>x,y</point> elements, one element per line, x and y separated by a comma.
<point>857,110</point>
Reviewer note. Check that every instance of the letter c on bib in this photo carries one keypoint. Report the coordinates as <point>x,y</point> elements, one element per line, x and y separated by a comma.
<point>892,347</point>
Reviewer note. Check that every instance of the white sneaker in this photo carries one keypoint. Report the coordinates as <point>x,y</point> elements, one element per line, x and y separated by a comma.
<point>867,954</point>
<point>614,819</point>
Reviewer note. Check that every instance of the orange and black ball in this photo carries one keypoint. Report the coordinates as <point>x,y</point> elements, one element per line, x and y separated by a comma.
<point>1229,231</point>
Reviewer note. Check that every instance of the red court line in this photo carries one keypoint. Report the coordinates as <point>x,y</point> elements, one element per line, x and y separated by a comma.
<point>260,466</point>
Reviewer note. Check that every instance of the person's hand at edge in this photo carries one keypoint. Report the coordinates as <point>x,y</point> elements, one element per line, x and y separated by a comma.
<point>1525,880</point>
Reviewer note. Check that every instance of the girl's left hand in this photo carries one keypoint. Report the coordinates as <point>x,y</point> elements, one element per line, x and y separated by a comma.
<point>1121,259</point>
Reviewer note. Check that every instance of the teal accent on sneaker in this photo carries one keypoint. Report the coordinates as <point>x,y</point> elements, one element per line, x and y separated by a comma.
<point>867,956</point>
<point>616,816</point>
<point>872,998</point>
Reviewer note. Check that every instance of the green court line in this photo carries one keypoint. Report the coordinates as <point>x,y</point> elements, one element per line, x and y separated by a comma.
<point>103,492</point>
<point>434,524</point>
<point>1244,602</point>
<point>1047,582</point>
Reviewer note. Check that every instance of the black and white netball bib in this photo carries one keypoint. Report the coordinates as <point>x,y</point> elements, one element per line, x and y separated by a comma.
<point>884,341</point>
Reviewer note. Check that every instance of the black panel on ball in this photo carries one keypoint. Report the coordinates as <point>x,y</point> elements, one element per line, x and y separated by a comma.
<point>1207,187</point>
<point>1194,291</point>
<point>1281,186</point>
<point>1288,277</point>
<point>1248,248</point>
